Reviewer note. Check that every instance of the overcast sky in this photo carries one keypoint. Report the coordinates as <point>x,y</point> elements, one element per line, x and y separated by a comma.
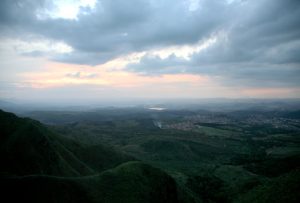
<point>91,50</point>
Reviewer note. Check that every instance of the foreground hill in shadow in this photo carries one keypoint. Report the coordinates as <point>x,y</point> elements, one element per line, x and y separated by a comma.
<point>129,182</point>
<point>28,147</point>
<point>38,165</point>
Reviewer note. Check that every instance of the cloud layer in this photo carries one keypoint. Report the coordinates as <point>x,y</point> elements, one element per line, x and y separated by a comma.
<point>257,42</point>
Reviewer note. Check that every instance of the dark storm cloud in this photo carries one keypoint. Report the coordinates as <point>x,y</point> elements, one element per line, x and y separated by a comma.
<point>260,47</point>
<point>258,41</point>
<point>115,28</point>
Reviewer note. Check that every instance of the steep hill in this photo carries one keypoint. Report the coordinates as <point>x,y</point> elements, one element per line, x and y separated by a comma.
<point>27,147</point>
<point>130,182</point>
<point>38,165</point>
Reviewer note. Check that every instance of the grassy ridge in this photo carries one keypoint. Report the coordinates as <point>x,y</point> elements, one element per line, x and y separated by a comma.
<point>27,147</point>
<point>38,165</point>
<point>130,182</point>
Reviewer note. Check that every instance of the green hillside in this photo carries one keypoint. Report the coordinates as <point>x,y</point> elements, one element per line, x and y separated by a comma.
<point>210,162</point>
<point>130,182</point>
<point>38,165</point>
<point>27,147</point>
<point>132,160</point>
